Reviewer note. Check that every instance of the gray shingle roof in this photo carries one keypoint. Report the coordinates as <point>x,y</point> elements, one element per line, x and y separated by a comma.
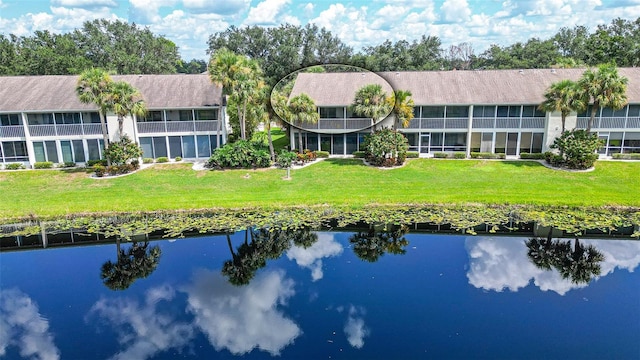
<point>335,89</point>
<point>57,92</point>
<point>454,87</point>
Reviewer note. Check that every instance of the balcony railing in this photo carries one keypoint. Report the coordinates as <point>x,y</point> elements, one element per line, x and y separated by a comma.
<point>65,130</point>
<point>609,123</point>
<point>11,131</point>
<point>336,124</point>
<point>508,123</point>
<point>177,126</point>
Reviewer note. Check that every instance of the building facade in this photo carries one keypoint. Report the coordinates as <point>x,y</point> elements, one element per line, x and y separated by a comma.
<point>41,119</point>
<point>464,111</point>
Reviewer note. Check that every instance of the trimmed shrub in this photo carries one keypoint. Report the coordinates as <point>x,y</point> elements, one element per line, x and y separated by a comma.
<point>285,158</point>
<point>162,159</point>
<point>69,164</point>
<point>358,154</point>
<point>322,154</point>
<point>43,165</point>
<point>440,155</point>
<point>135,163</point>
<point>14,166</point>
<point>578,148</point>
<point>386,147</point>
<point>240,154</point>
<point>459,155</point>
<point>147,161</point>
<point>533,156</point>
<point>619,156</point>
<point>91,163</point>
<point>123,151</point>
<point>413,154</point>
<point>178,158</point>
<point>306,156</point>
<point>99,170</point>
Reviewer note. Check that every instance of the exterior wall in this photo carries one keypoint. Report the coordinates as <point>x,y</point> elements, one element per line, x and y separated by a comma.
<point>45,136</point>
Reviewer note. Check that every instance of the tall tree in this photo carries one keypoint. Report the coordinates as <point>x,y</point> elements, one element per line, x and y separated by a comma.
<point>303,110</point>
<point>223,67</point>
<point>93,87</point>
<point>126,101</point>
<point>603,87</point>
<point>403,111</point>
<point>139,261</point>
<point>371,101</point>
<point>563,96</point>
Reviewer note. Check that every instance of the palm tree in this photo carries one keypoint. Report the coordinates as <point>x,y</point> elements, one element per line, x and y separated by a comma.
<point>603,88</point>
<point>403,111</point>
<point>371,101</point>
<point>303,110</point>
<point>135,264</point>
<point>222,69</point>
<point>247,90</point>
<point>126,101</point>
<point>93,87</point>
<point>563,96</point>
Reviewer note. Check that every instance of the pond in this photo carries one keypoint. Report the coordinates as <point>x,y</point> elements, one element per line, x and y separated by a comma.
<point>365,293</point>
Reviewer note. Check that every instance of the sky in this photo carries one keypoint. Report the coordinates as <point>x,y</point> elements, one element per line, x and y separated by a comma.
<point>358,23</point>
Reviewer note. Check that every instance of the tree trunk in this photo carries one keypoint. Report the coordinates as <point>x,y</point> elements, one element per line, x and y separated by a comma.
<point>220,119</point>
<point>300,141</point>
<point>594,109</point>
<point>120,126</point>
<point>244,123</point>
<point>105,135</point>
<point>272,152</point>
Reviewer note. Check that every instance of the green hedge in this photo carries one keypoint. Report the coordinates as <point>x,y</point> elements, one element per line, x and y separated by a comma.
<point>487,155</point>
<point>413,154</point>
<point>440,155</point>
<point>14,166</point>
<point>69,164</point>
<point>43,165</point>
<point>178,158</point>
<point>322,154</point>
<point>626,156</point>
<point>147,161</point>
<point>459,155</point>
<point>534,156</point>
<point>162,159</point>
<point>91,163</point>
<point>358,154</point>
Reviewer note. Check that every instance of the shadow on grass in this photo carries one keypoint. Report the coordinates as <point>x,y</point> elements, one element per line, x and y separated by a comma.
<point>77,170</point>
<point>345,162</point>
<point>523,163</point>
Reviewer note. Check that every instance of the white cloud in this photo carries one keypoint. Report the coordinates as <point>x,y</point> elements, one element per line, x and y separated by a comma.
<point>84,3</point>
<point>456,10</point>
<point>219,7</point>
<point>142,329</point>
<point>355,328</point>
<point>267,12</point>
<point>241,319</point>
<point>21,325</point>
<point>502,263</point>
<point>308,9</point>
<point>311,258</point>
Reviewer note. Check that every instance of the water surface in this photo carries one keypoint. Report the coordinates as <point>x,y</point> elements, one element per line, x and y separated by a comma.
<point>447,296</point>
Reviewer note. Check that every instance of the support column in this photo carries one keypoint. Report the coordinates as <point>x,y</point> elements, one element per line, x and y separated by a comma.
<point>27,137</point>
<point>469,130</point>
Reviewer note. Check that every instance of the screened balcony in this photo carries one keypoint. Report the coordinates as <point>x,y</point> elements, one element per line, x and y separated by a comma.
<point>179,121</point>
<point>64,124</point>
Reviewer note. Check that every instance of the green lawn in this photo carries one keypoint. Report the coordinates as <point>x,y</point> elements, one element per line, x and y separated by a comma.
<point>333,181</point>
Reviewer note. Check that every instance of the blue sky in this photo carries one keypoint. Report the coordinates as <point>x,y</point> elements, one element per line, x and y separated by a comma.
<point>359,23</point>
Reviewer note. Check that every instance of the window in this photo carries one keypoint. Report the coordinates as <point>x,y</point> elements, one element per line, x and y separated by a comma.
<point>204,148</point>
<point>95,148</point>
<point>338,144</point>
<point>188,147</point>
<point>185,115</point>
<point>332,113</point>
<point>67,118</point>
<point>45,151</point>
<point>67,152</point>
<point>433,112</point>
<point>10,119</point>
<point>91,118</point>
<point>503,111</point>
<point>514,111</point>
<point>159,146</point>
<point>457,111</point>
<point>536,142</point>
<point>78,150</point>
<point>175,146</point>
<point>525,142</point>
<point>15,151</point>
<point>352,143</point>
<point>484,111</point>
<point>153,116</point>
<point>455,141</point>
<point>634,110</point>
<point>52,151</point>
<point>416,112</point>
<point>207,114</point>
<point>40,119</point>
